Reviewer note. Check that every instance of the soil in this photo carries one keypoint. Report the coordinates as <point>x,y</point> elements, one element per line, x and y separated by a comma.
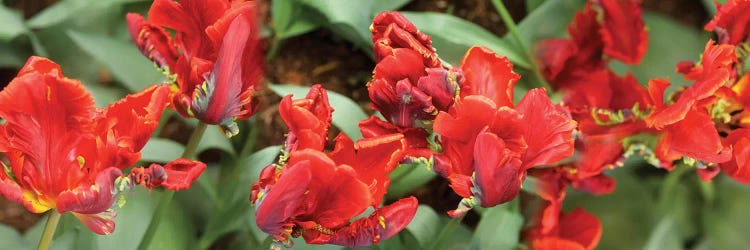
<point>323,57</point>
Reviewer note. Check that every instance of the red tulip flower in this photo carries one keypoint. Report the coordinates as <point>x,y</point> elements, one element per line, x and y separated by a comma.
<point>215,58</point>
<point>731,22</point>
<point>315,195</point>
<point>66,154</point>
<point>487,142</point>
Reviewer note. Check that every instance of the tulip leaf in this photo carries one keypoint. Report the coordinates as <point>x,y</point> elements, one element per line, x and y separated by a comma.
<point>407,178</point>
<point>161,150</point>
<point>494,220</point>
<point>289,19</point>
<point>13,25</point>
<point>69,9</point>
<point>532,5</point>
<point>548,20</point>
<point>379,6</point>
<point>453,36</point>
<point>346,115</point>
<point>425,226</point>
<point>664,236</point>
<point>726,220</point>
<point>214,138</point>
<point>10,238</point>
<point>121,58</point>
<point>175,230</point>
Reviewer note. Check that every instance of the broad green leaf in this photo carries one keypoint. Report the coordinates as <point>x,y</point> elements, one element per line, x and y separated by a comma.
<point>175,230</point>
<point>532,5</point>
<point>346,115</point>
<point>161,150</point>
<point>726,222</point>
<point>663,53</point>
<point>12,24</point>
<point>349,19</point>
<point>494,220</point>
<point>407,178</point>
<point>10,238</point>
<point>710,6</point>
<point>121,58</point>
<point>425,226</point>
<point>379,6</point>
<point>289,19</point>
<point>214,138</point>
<point>664,236</point>
<point>12,56</point>
<point>453,36</point>
<point>70,9</point>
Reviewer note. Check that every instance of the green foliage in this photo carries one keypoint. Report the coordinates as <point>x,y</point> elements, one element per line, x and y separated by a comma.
<point>495,220</point>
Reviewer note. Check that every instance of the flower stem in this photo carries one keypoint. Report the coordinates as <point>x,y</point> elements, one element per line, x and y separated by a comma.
<point>448,230</point>
<point>508,20</point>
<point>49,230</point>
<point>166,198</point>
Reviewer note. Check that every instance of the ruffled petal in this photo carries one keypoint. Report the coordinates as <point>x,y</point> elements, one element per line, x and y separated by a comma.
<point>548,132</point>
<point>379,226</point>
<point>498,175</point>
<point>100,223</point>
<point>488,74</point>
<point>623,31</point>
<point>91,198</point>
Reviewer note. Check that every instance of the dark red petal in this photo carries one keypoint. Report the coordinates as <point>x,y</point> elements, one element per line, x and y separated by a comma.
<point>276,208</point>
<point>623,32</point>
<point>219,100</point>
<point>488,74</point>
<point>391,30</point>
<point>731,22</point>
<point>181,173</point>
<point>441,85</point>
<point>585,32</point>
<point>381,225</point>
<point>153,41</point>
<point>90,198</point>
<point>497,176</point>
<point>596,185</point>
<point>553,55</point>
<point>548,132</point>
<point>582,227</point>
<point>708,173</point>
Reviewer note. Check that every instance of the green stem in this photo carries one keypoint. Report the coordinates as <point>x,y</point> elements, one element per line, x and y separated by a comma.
<point>508,20</point>
<point>166,198</point>
<point>49,230</point>
<point>446,232</point>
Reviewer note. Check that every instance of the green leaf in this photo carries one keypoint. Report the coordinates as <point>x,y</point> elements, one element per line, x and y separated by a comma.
<point>727,223</point>
<point>407,178</point>
<point>347,113</point>
<point>379,6</point>
<point>161,150</point>
<point>10,238</point>
<point>175,230</point>
<point>664,236</point>
<point>453,36</point>
<point>65,10</point>
<point>425,226</point>
<point>349,19</point>
<point>214,138</point>
<point>121,58</point>
<point>12,24</point>
<point>663,52</point>
<point>289,19</point>
<point>494,220</point>
<point>532,5</point>
<point>11,56</point>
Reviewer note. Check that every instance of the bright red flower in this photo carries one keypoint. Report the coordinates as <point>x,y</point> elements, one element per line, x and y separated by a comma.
<point>623,32</point>
<point>315,195</point>
<point>577,229</point>
<point>409,82</point>
<point>739,166</point>
<point>216,57</point>
<point>731,22</point>
<point>308,119</point>
<point>713,73</point>
<point>416,138</point>
<point>65,153</point>
<point>485,143</point>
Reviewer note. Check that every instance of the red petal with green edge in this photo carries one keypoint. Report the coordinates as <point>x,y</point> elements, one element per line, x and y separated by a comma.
<point>54,108</point>
<point>90,198</point>
<point>497,175</point>
<point>739,166</point>
<point>277,208</point>
<point>181,173</point>
<point>308,119</point>
<point>555,243</point>
<point>552,55</point>
<point>696,137</point>
<point>133,119</point>
<point>221,100</point>
<point>100,223</point>
<point>731,22</point>
<point>488,74</point>
<point>391,30</point>
<point>623,32</point>
<point>548,132</point>
<point>381,225</point>
<point>152,41</point>
<point>582,227</point>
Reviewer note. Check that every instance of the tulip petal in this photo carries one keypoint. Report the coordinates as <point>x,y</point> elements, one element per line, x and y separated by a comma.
<point>498,176</point>
<point>488,74</point>
<point>90,198</point>
<point>381,225</point>
<point>623,32</point>
<point>101,223</point>
<point>548,132</point>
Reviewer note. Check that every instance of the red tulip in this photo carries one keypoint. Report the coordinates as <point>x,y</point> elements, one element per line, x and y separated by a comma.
<point>215,58</point>
<point>308,119</point>
<point>65,153</point>
<point>731,22</point>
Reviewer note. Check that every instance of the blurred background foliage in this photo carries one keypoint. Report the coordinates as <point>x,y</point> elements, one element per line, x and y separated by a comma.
<point>328,42</point>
